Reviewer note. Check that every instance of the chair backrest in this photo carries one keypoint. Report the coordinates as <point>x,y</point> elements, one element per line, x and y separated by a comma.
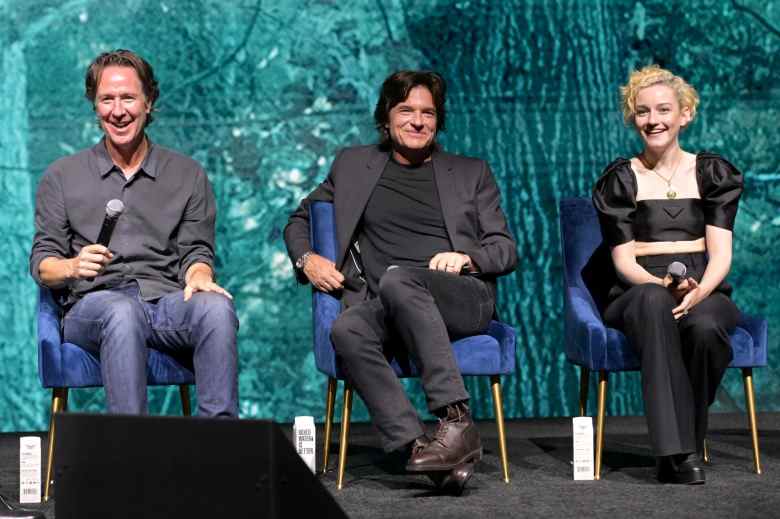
<point>325,308</point>
<point>580,237</point>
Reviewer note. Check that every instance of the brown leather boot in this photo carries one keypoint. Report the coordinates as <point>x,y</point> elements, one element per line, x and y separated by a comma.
<point>453,481</point>
<point>418,444</point>
<point>455,441</point>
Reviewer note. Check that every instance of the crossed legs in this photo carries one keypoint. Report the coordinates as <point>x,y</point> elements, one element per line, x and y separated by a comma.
<point>416,314</point>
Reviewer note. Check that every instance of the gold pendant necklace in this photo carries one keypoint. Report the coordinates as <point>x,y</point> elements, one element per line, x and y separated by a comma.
<point>671,194</point>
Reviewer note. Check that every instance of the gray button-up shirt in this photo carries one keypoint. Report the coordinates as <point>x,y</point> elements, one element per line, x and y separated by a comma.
<point>167,225</point>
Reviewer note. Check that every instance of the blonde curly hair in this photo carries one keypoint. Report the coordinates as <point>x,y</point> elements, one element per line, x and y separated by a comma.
<point>655,75</point>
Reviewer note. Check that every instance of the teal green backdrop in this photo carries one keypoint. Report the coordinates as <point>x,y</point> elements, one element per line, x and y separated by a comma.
<point>263,93</point>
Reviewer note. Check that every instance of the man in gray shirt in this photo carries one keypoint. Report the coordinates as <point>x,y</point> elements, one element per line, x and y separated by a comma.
<point>154,285</point>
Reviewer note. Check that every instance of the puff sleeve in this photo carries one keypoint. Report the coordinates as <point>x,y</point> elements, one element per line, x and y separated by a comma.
<point>615,200</point>
<point>721,186</point>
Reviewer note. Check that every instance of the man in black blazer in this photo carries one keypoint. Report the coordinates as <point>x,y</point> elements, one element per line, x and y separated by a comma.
<point>422,238</point>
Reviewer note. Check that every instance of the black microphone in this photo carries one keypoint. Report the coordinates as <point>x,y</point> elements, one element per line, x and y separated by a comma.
<point>677,271</point>
<point>114,209</point>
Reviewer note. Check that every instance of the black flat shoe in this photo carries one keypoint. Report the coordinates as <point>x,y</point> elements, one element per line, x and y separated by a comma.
<point>680,469</point>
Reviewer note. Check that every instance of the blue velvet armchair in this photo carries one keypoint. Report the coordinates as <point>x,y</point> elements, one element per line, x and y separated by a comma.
<point>492,354</point>
<point>62,365</point>
<point>594,347</point>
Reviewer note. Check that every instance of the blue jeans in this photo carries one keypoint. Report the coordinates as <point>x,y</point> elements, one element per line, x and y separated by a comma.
<point>119,326</point>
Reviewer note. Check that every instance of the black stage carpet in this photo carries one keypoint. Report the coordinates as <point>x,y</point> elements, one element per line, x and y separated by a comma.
<point>541,481</point>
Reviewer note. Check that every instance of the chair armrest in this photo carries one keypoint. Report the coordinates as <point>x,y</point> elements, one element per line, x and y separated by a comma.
<point>757,327</point>
<point>49,339</point>
<point>507,343</point>
<point>325,308</point>
<point>584,330</point>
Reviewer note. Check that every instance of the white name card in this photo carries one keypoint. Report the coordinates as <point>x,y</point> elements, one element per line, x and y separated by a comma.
<point>304,436</point>
<point>583,447</point>
<point>29,469</point>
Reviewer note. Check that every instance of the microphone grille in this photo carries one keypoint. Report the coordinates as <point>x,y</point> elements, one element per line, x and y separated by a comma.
<point>677,268</point>
<point>114,208</point>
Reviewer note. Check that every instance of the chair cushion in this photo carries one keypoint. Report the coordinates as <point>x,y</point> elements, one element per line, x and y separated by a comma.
<point>617,355</point>
<point>489,354</point>
<point>81,368</point>
<point>69,365</point>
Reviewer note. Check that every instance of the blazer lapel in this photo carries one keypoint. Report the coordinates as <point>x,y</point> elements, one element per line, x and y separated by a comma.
<point>356,198</point>
<point>445,185</point>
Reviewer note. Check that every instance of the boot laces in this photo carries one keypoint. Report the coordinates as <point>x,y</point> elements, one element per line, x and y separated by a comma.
<point>441,432</point>
<point>455,414</point>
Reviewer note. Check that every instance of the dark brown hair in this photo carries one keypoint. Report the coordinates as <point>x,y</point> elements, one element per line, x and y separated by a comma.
<point>396,88</point>
<point>122,58</point>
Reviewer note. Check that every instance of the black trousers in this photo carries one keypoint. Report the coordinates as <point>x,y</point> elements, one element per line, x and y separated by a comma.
<point>682,361</point>
<point>415,316</point>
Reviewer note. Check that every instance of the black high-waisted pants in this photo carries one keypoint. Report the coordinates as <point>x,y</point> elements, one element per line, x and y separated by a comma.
<point>683,361</point>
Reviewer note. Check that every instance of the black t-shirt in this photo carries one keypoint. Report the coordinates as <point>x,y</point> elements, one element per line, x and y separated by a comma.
<point>402,223</point>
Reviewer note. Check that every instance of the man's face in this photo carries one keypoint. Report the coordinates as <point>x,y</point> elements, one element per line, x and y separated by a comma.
<point>412,122</point>
<point>121,106</point>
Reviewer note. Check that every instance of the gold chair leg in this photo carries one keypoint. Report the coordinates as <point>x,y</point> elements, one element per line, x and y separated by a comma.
<point>330,400</point>
<point>345,417</point>
<point>584,383</point>
<point>747,375</point>
<point>706,451</point>
<point>59,403</point>
<point>186,406</point>
<point>495,382</point>
<point>603,376</point>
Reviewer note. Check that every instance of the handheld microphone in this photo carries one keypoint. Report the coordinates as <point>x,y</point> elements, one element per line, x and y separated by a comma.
<point>114,208</point>
<point>677,271</point>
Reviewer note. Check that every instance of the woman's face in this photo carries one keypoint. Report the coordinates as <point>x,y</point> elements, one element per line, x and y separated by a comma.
<point>659,117</point>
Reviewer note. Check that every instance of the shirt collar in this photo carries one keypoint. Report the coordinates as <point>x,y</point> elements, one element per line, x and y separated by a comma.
<point>106,164</point>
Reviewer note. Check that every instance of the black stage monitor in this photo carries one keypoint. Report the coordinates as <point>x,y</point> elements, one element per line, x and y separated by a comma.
<point>169,467</point>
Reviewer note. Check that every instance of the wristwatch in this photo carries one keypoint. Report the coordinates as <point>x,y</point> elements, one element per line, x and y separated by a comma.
<point>301,261</point>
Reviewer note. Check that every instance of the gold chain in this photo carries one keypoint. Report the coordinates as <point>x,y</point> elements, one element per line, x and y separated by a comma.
<point>670,193</point>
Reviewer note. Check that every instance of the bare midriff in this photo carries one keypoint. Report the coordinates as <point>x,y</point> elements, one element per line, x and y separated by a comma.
<point>642,248</point>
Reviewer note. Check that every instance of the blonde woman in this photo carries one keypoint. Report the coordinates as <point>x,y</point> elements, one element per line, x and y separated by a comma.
<point>661,206</point>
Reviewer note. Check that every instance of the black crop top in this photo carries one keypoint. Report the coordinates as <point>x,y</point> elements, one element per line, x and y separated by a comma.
<point>623,218</point>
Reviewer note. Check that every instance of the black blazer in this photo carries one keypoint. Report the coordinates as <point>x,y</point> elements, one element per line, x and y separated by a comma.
<point>469,202</point>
